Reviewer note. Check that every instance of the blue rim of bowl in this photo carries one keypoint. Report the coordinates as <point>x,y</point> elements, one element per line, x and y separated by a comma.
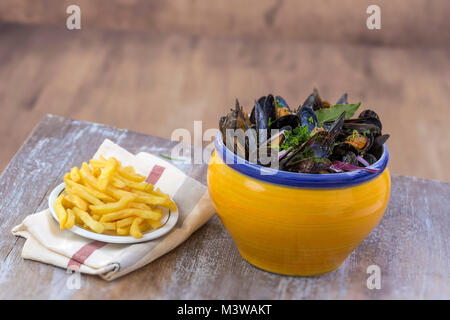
<point>300,180</point>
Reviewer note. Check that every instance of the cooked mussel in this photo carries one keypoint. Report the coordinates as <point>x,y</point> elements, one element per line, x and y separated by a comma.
<point>302,142</point>
<point>290,121</point>
<point>307,117</point>
<point>313,100</point>
<point>282,107</point>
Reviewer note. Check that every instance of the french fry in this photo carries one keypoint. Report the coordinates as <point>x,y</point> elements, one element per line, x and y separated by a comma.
<point>154,200</point>
<point>111,226</point>
<point>100,164</point>
<point>113,206</point>
<point>144,197</point>
<point>116,182</point>
<point>124,222</point>
<point>139,205</point>
<point>87,176</point>
<point>74,200</point>
<point>96,172</point>
<point>142,186</point>
<point>92,183</point>
<point>70,219</point>
<point>75,174</point>
<point>88,220</point>
<point>107,173</point>
<point>134,229</point>
<point>125,213</point>
<point>155,224</point>
<point>60,212</point>
<point>123,231</point>
<point>104,195</point>
<point>81,191</point>
<point>129,173</point>
<point>97,194</point>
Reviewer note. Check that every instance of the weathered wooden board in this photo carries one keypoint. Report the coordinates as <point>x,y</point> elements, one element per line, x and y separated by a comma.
<point>410,245</point>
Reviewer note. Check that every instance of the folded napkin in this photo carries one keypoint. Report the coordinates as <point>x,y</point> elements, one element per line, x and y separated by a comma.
<point>47,243</point>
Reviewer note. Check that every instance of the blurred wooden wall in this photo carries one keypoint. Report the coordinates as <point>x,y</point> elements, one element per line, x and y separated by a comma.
<point>404,22</point>
<point>154,66</point>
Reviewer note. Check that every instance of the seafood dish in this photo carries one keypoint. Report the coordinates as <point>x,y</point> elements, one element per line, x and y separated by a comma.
<point>316,137</point>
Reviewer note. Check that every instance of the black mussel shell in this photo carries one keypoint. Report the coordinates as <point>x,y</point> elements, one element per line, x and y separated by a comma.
<point>290,120</point>
<point>370,116</point>
<point>313,100</point>
<point>270,108</point>
<point>336,127</point>
<point>320,144</point>
<point>350,158</point>
<point>370,158</point>
<point>343,99</point>
<point>340,150</point>
<point>308,117</point>
<point>281,103</point>
<point>377,145</point>
<point>311,165</point>
<point>361,125</point>
<point>260,117</point>
<point>261,102</point>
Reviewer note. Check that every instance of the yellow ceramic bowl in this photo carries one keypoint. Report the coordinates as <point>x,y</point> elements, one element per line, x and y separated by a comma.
<point>292,223</point>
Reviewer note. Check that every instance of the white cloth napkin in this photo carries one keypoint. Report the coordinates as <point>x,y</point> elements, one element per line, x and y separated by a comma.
<point>45,242</point>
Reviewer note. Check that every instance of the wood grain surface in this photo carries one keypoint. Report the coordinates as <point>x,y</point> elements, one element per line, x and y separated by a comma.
<point>413,23</point>
<point>410,245</point>
<point>155,83</point>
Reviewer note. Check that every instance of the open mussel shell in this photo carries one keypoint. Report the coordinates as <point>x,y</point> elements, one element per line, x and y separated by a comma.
<point>377,146</point>
<point>341,149</point>
<point>290,120</point>
<point>268,152</point>
<point>267,104</point>
<point>370,116</point>
<point>236,119</point>
<point>281,103</point>
<point>361,142</point>
<point>282,108</point>
<point>361,126</point>
<point>313,100</point>
<point>307,117</point>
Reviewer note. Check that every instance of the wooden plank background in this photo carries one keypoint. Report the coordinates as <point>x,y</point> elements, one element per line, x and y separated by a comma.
<point>155,83</point>
<point>417,23</point>
<point>410,245</point>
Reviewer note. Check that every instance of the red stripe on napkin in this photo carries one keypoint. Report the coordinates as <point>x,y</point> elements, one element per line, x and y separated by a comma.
<point>155,174</point>
<point>81,255</point>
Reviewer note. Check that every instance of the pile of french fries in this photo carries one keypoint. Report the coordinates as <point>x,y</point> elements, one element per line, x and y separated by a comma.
<point>105,197</point>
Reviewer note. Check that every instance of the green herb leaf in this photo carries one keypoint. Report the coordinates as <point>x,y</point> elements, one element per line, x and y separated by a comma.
<point>277,102</point>
<point>169,158</point>
<point>295,137</point>
<point>333,112</point>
